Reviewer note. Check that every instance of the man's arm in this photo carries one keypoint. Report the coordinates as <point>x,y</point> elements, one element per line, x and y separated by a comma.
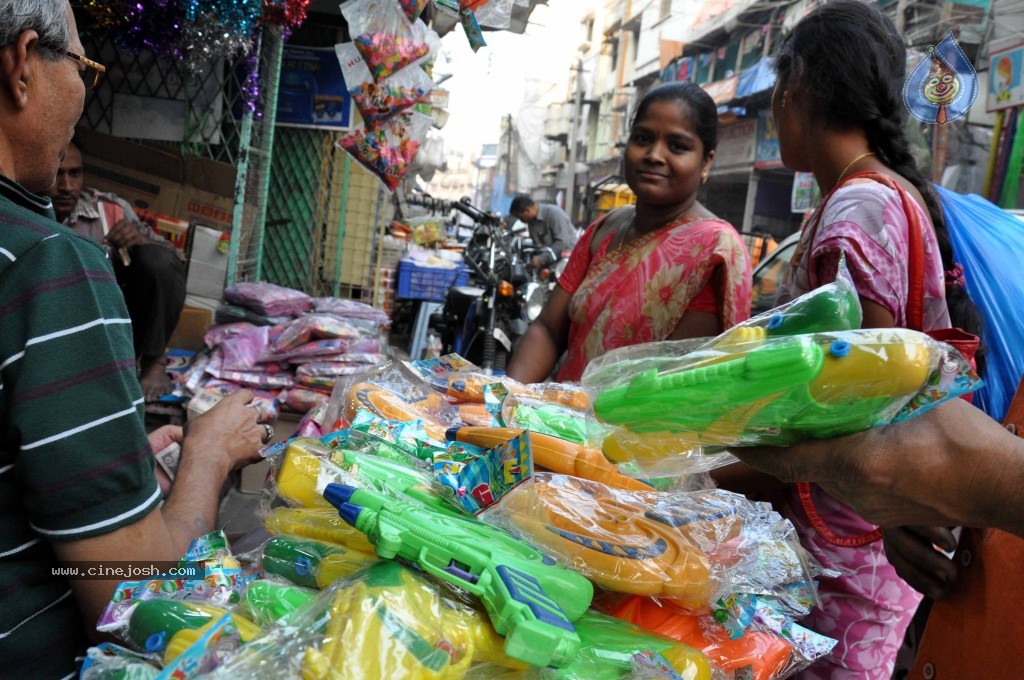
<point>951,466</point>
<point>225,438</point>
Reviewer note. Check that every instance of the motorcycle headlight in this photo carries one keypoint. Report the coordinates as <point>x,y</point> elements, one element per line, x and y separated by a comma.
<point>535,303</point>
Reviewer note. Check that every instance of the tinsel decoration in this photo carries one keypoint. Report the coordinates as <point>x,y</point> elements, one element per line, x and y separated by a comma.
<point>288,14</point>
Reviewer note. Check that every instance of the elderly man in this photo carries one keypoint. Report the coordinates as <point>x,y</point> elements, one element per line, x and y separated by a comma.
<point>146,266</point>
<point>549,227</point>
<point>76,468</point>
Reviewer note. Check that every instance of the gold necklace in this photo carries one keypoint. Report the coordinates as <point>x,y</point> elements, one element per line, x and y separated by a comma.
<point>850,165</point>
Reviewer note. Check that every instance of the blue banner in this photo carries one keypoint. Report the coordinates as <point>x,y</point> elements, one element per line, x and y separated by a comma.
<point>312,92</point>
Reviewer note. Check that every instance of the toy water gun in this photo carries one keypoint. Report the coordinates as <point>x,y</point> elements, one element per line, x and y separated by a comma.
<point>319,524</point>
<point>610,646</point>
<point>169,627</point>
<point>269,602</point>
<point>394,624</point>
<point>557,455</point>
<point>472,413</point>
<point>645,543</point>
<point>309,563</point>
<point>789,389</point>
<point>555,420</point>
<point>766,655</point>
<point>297,480</point>
<point>469,387</point>
<point>530,599</point>
<point>413,404</point>
<point>830,308</point>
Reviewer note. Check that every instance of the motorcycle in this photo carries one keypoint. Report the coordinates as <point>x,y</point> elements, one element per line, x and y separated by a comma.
<point>484,321</point>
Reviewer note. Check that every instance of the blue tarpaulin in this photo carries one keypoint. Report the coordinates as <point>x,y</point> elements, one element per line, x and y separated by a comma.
<point>757,78</point>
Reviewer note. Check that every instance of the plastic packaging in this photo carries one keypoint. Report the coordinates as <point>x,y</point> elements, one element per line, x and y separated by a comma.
<point>313,327</point>
<point>215,335</point>
<point>385,621</point>
<point>692,547</point>
<point>301,400</point>
<point>108,661</point>
<point>309,563</point>
<point>242,348</point>
<point>170,627</point>
<point>413,8</point>
<point>388,150</point>
<point>350,309</point>
<point>269,603</point>
<point>398,401</point>
<point>529,600</point>
<point>574,425</point>
<point>269,299</point>
<point>384,36</point>
<point>988,241</point>
<point>378,101</point>
<point>307,351</point>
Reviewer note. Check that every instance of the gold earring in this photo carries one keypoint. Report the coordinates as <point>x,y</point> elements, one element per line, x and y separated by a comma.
<point>785,96</point>
<point>705,177</point>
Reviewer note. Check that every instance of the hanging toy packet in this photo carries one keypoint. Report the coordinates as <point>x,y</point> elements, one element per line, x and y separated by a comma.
<point>388,151</point>
<point>384,36</point>
<point>378,101</point>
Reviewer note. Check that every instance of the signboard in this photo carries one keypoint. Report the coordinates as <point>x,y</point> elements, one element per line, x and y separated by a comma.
<point>736,145</point>
<point>312,92</point>
<point>723,91</point>
<point>1006,79</point>
<point>767,154</point>
<point>805,193</point>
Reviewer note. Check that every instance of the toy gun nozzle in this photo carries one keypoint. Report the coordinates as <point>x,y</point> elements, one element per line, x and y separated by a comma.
<point>337,494</point>
<point>452,433</point>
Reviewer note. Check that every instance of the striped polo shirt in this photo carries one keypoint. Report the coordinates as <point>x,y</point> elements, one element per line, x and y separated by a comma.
<point>74,458</point>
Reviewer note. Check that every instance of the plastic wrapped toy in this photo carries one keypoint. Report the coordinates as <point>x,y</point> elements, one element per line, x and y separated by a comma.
<point>169,627</point>
<point>309,563</point>
<point>350,309</point>
<point>692,547</point>
<point>529,600</point>
<point>301,400</point>
<point>402,402</point>
<point>319,524</point>
<point>379,100</point>
<point>268,602</point>
<point>786,389</point>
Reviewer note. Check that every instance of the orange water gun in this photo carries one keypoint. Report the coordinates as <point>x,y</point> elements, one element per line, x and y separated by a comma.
<point>469,387</point>
<point>765,654</point>
<point>643,543</point>
<point>413,404</point>
<point>552,453</point>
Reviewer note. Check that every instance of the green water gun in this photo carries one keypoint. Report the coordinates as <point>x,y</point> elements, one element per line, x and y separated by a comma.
<point>268,602</point>
<point>529,599</point>
<point>169,627</point>
<point>782,391</point>
<point>610,648</point>
<point>309,563</point>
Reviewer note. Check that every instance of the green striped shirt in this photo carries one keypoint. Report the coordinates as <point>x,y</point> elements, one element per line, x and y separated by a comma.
<point>74,458</point>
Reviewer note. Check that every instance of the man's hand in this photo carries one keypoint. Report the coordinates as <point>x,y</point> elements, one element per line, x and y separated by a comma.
<point>160,439</point>
<point>124,234</point>
<point>911,550</point>
<point>227,436</point>
<point>938,469</point>
<point>535,262</point>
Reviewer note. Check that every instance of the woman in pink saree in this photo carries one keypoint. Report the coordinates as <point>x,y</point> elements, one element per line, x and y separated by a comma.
<point>664,269</point>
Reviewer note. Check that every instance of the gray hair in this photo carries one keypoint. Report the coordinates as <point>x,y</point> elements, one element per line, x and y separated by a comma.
<point>48,18</point>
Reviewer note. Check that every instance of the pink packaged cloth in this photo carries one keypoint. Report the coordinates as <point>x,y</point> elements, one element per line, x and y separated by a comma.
<point>269,299</point>
<point>319,382</point>
<point>303,400</point>
<point>313,327</point>
<point>350,309</point>
<point>307,351</point>
<point>217,334</point>
<point>266,401</point>
<point>241,350</point>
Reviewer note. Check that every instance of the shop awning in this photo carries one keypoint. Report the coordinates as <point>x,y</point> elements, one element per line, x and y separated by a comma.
<point>757,78</point>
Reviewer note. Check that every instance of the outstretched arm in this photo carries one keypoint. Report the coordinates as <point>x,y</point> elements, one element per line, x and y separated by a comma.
<point>544,342</point>
<point>951,466</point>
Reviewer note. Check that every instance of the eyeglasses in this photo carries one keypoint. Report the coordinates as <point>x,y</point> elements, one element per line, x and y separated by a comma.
<point>91,71</point>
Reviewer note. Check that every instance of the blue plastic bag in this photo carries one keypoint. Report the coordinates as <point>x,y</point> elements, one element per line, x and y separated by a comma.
<point>988,242</point>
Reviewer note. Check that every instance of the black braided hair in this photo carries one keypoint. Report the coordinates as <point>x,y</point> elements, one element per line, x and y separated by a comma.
<point>853,65</point>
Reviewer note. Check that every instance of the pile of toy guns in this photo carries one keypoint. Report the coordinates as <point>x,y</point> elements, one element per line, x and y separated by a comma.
<point>440,523</point>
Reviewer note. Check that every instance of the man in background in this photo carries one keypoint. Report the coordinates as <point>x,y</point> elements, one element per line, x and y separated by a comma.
<point>549,227</point>
<point>147,267</point>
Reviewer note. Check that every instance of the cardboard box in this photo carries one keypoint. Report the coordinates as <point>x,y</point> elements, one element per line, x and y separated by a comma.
<point>160,178</point>
<point>192,325</point>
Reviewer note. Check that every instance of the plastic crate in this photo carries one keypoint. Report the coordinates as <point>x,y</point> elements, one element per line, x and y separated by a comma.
<point>427,283</point>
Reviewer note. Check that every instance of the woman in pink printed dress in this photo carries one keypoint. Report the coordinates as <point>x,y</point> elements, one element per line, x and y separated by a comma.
<point>665,269</point>
<point>839,111</point>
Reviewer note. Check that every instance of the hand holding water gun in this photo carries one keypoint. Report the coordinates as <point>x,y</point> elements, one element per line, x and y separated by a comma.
<point>529,599</point>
